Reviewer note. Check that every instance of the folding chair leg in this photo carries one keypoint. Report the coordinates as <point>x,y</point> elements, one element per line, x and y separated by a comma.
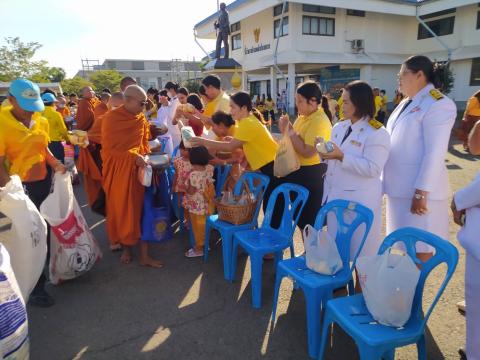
<point>227,255</point>
<point>421,348</point>
<point>233,260</point>
<point>278,282</point>
<point>313,299</point>
<point>208,230</point>
<point>327,321</point>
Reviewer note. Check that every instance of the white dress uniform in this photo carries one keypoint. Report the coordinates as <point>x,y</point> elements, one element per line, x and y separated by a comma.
<point>358,177</point>
<point>468,199</point>
<point>419,135</point>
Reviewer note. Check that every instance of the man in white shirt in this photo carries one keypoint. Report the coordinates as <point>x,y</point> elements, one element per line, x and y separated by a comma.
<point>173,130</point>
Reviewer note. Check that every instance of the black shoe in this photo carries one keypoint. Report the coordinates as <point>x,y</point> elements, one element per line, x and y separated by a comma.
<point>41,299</point>
<point>462,353</point>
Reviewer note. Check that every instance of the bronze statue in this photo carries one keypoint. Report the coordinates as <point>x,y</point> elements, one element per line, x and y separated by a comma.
<point>222,25</point>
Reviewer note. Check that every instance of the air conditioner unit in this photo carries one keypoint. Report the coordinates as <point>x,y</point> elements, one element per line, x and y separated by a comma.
<point>358,45</point>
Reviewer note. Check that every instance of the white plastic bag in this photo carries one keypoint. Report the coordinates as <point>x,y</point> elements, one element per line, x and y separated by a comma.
<point>388,284</point>
<point>187,135</point>
<point>73,250</point>
<point>26,241</point>
<point>286,160</point>
<point>14,342</point>
<point>321,251</point>
<point>145,175</point>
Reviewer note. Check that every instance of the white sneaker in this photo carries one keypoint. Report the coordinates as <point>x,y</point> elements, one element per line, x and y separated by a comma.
<point>461,307</point>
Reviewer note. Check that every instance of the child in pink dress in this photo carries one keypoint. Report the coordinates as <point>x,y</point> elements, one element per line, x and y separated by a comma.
<point>182,171</point>
<point>198,199</point>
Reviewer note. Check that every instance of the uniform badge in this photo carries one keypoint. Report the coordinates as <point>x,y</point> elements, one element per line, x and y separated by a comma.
<point>415,109</point>
<point>356,143</point>
<point>437,95</point>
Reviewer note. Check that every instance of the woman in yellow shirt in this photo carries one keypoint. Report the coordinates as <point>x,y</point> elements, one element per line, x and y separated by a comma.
<point>470,117</point>
<point>251,135</point>
<point>311,123</point>
<point>56,125</point>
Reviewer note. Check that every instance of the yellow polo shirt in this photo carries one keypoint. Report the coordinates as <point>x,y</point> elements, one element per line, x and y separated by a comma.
<point>309,128</point>
<point>220,103</point>
<point>340,108</point>
<point>58,130</point>
<point>23,147</point>
<point>378,104</point>
<point>258,144</point>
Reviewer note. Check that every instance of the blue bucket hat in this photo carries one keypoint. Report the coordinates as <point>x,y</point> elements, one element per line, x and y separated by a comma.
<point>27,95</point>
<point>48,98</point>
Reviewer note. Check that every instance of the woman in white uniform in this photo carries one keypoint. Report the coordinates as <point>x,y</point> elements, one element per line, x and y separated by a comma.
<point>415,177</point>
<point>361,148</point>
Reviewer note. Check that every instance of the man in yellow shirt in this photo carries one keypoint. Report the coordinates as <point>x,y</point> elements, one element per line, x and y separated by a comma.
<point>379,114</point>
<point>24,152</point>
<point>57,129</point>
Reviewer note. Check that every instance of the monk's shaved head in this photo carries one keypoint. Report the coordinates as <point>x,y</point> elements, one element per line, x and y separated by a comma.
<point>87,92</point>
<point>135,99</point>
<point>135,92</point>
<point>116,100</point>
<point>127,81</point>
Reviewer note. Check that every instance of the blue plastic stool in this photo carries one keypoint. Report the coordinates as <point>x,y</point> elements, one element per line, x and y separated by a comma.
<point>266,240</point>
<point>374,340</point>
<point>316,287</point>
<point>257,183</point>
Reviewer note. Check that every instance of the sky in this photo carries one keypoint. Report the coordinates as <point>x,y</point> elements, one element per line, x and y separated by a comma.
<point>71,30</point>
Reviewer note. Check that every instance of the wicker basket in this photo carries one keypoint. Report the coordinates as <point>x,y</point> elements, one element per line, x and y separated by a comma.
<point>236,214</point>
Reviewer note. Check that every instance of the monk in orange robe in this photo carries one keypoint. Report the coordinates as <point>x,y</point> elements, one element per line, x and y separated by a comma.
<point>126,82</point>
<point>86,109</point>
<point>125,135</point>
<point>62,107</point>
<point>102,106</point>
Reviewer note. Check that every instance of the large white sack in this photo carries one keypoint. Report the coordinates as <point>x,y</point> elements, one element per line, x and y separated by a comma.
<point>73,249</point>
<point>26,241</point>
<point>14,343</point>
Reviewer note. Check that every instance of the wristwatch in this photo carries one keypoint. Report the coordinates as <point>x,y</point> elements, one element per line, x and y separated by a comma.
<point>419,196</point>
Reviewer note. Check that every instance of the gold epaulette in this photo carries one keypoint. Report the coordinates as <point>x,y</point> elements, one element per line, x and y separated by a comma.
<point>375,124</point>
<point>437,95</point>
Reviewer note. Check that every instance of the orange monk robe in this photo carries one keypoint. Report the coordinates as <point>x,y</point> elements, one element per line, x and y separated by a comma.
<point>124,136</point>
<point>64,111</point>
<point>100,109</point>
<point>86,113</point>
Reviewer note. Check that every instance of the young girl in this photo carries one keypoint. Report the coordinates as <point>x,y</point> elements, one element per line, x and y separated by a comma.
<point>182,170</point>
<point>198,199</point>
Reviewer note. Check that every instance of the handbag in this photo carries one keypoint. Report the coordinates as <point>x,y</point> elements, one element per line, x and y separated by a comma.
<point>286,159</point>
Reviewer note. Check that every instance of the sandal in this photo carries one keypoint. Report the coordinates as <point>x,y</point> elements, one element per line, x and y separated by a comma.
<point>192,253</point>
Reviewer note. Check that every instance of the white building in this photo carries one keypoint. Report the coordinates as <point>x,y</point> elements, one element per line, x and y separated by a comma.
<point>150,73</point>
<point>336,41</point>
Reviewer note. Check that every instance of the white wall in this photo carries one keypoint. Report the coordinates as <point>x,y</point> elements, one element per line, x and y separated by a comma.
<point>462,90</point>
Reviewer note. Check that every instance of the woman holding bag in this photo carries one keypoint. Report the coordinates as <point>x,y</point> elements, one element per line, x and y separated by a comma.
<point>311,124</point>
<point>361,147</point>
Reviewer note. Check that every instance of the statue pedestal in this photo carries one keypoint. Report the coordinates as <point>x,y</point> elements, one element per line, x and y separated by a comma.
<point>228,70</point>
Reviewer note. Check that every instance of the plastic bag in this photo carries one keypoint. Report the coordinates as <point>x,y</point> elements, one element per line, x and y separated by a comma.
<point>321,251</point>
<point>388,283</point>
<point>14,342</point>
<point>145,175</point>
<point>26,241</point>
<point>187,135</point>
<point>286,159</point>
<point>74,250</point>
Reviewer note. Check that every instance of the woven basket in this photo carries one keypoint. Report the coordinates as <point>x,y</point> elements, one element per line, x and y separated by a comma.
<point>236,214</point>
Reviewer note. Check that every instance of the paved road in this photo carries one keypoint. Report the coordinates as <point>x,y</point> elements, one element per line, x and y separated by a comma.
<point>187,310</point>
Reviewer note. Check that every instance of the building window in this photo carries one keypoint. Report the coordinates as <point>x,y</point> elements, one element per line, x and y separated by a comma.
<point>159,83</point>
<point>277,10</point>
<point>438,13</point>
<point>478,20</point>
<point>440,27</point>
<point>111,64</point>
<point>475,74</point>
<point>255,88</point>
<point>235,27</point>
<point>138,65</point>
<point>236,41</point>
<point>276,27</point>
<point>318,26</point>
<point>359,13</point>
<point>319,9</point>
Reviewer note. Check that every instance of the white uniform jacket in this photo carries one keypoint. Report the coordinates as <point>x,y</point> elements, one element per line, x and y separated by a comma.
<point>468,199</point>
<point>365,151</point>
<point>419,142</point>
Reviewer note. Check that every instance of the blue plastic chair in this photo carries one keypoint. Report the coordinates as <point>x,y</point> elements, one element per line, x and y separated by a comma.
<point>257,183</point>
<point>318,289</point>
<point>374,340</point>
<point>222,174</point>
<point>267,240</point>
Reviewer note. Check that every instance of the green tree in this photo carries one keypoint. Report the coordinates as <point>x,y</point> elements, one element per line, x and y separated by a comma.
<point>75,85</point>
<point>16,59</point>
<point>192,85</point>
<point>110,79</point>
<point>49,74</point>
